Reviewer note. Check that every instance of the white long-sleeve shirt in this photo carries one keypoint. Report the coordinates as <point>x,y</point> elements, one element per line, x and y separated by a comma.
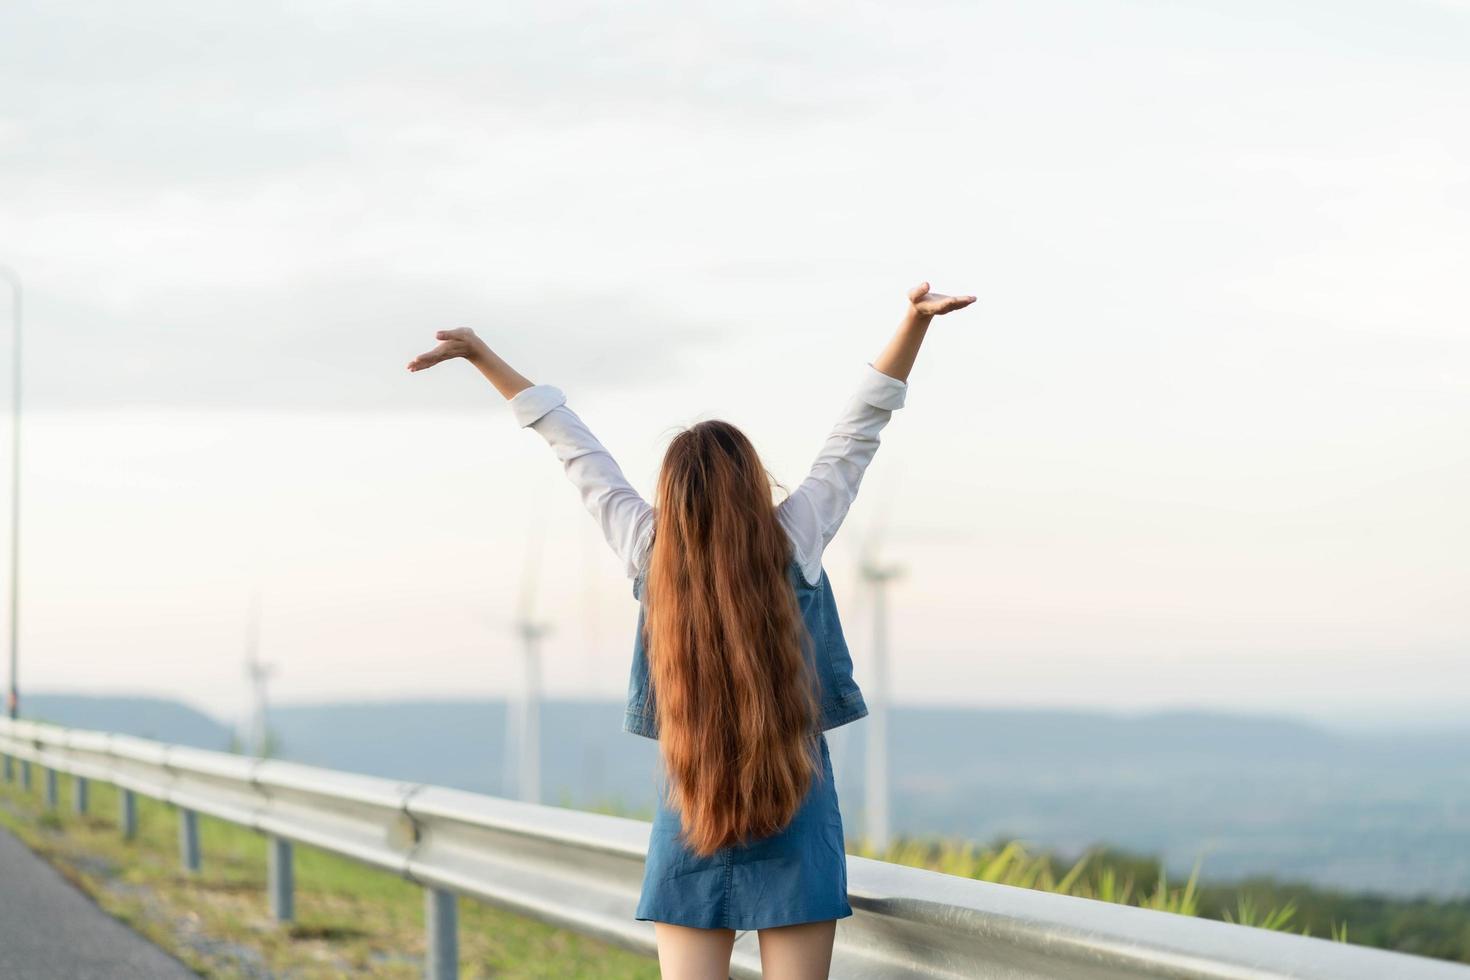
<point>810,516</point>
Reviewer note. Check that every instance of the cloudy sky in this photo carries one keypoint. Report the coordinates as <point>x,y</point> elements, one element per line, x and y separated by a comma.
<point>1203,441</point>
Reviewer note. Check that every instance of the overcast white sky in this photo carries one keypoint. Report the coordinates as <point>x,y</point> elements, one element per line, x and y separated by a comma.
<point>1204,440</point>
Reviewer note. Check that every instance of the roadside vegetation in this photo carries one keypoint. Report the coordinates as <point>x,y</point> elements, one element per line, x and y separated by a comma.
<point>356,920</point>
<point>350,919</point>
<point>1424,927</point>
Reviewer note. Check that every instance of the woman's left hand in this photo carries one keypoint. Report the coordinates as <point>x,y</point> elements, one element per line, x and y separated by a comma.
<point>936,304</point>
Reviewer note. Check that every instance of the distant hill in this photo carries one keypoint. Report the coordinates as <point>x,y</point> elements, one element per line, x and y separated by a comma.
<point>155,718</point>
<point>1251,794</point>
<point>584,751</point>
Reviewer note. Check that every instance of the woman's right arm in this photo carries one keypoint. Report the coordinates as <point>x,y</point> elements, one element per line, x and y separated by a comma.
<point>818,506</point>
<point>626,519</point>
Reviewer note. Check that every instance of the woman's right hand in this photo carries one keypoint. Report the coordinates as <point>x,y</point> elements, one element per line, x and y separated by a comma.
<point>459,342</point>
<point>462,342</point>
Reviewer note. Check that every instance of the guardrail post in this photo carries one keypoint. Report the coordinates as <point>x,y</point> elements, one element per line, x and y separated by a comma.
<point>127,805</point>
<point>189,839</point>
<point>53,794</point>
<point>79,795</point>
<point>441,918</point>
<point>281,879</point>
<point>25,775</point>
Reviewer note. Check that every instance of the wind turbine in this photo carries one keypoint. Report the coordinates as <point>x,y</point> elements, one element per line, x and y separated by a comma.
<point>258,674</point>
<point>523,716</point>
<point>876,576</point>
<point>594,763</point>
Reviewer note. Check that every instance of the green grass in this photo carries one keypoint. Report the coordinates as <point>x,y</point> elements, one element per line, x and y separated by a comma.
<point>1010,863</point>
<point>1421,926</point>
<point>350,919</point>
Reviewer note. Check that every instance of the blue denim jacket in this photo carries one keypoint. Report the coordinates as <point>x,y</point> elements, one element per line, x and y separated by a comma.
<point>840,699</point>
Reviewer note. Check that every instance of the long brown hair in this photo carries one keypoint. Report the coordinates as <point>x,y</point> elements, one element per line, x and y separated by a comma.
<point>736,705</point>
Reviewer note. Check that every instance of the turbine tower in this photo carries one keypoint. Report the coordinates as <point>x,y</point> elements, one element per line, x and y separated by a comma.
<point>877,575</point>
<point>258,674</point>
<point>523,717</point>
<point>528,739</point>
<point>875,787</point>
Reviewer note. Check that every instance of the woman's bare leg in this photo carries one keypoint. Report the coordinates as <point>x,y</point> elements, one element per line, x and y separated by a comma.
<point>685,953</point>
<point>801,952</point>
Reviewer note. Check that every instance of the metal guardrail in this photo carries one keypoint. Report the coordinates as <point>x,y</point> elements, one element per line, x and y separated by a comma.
<point>583,871</point>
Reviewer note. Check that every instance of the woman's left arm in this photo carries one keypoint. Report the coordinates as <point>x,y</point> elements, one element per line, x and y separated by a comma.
<point>626,519</point>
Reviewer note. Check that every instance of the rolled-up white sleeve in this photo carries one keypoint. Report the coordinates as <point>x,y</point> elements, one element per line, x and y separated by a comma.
<point>531,403</point>
<point>817,507</point>
<point>626,519</point>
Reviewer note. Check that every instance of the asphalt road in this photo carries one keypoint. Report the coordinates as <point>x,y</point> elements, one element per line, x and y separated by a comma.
<point>51,931</point>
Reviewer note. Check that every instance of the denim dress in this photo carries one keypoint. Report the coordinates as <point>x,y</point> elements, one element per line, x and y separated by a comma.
<point>798,874</point>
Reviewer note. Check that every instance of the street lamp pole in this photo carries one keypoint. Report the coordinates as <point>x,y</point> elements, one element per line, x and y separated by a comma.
<point>12,699</point>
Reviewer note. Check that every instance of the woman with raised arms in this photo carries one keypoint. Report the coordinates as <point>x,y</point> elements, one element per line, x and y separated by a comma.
<point>739,662</point>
